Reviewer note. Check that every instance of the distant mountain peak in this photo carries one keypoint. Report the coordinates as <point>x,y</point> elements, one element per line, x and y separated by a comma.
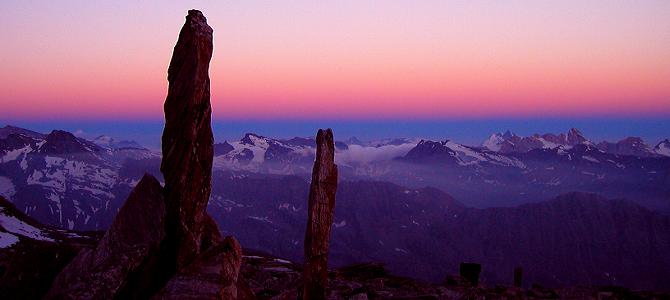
<point>663,148</point>
<point>60,142</point>
<point>493,142</point>
<point>575,131</point>
<point>354,141</point>
<point>251,138</point>
<point>508,134</point>
<point>511,142</point>
<point>628,146</point>
<point>575,137</point>
<point>223,148</point>
<point>9,129</point>
<point>300,141</point>
<point>111,143</point>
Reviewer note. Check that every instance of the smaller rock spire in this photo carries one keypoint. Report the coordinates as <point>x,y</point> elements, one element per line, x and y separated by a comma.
<point>321,208</point>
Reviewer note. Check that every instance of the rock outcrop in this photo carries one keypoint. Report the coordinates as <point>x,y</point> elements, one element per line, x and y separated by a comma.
<point>213,275</point>
<point>518,276</point>
<point>187,139</point>
<point>321,208</point>
<point>163,244</point>
<point>126,248</point>
<point>470,271</point>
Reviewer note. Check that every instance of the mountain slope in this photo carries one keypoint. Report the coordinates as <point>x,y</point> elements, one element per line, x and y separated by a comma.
<point>483,178</point>
<point>31,254</point>
<point>424,233</point>
<point>67,181</point>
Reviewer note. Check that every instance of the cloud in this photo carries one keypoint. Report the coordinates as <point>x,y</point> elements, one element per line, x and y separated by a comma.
<point>361,154</point>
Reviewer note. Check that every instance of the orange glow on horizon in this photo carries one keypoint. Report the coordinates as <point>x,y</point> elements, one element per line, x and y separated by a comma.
<point>345,60</point>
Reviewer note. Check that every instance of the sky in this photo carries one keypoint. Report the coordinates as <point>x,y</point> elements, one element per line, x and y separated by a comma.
<point>353,64</point>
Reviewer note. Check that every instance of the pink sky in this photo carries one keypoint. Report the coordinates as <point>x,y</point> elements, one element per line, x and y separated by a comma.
<point>343,59</point>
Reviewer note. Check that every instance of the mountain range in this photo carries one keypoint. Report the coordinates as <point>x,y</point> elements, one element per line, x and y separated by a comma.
<point>397,199</point>
<point>509,142</point>
<point>74,183</point>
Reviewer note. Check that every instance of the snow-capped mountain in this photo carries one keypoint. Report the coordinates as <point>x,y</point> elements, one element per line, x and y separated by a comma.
<point>629,146</point>
<point>295,156</point>
<point>111,143</point>
<point>510,142</point>
<point>258,153</point>
<point>70,182</point>
<point>451,152</point>
<point>482,177</point>
<point>663,148</point>
<point>8,129</point>
<point>64,180</point>
<point>74,183</point>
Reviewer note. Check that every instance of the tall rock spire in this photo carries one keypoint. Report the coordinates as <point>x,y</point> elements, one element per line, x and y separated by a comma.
<point>162,242</point>
<point>321,208</point>
<point>187,138</point>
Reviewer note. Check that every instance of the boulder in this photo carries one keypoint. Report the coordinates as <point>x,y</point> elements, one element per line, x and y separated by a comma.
<point>213,275</point>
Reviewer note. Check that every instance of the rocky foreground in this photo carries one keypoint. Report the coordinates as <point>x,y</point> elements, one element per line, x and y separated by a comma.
<point>28,267</point>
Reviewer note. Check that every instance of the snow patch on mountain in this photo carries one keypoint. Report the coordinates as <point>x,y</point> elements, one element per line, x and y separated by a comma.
<point>663,148</point>
<point>340,224</point>
<point>550,145</point>
<point>7,188</point>
<point>258,147</point>
<point>14,154</point>
<point>7,239</point>
<point>469,156</point>
<point>39,178</point>
<point>111,143</point>
<point>493,142</point>
<point>13,225</point>
<point>590,158</point>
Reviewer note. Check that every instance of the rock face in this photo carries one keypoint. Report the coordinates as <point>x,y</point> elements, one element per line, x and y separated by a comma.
<point>213,275</point>
<point>321,208</point>
<point>133,238</point>
<point>187,139</point>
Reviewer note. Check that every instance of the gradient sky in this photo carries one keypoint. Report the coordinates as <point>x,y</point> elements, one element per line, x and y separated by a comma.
<point>358,60</point>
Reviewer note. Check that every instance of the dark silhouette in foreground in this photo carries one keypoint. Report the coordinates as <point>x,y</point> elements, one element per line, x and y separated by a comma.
<point>162,243</point>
